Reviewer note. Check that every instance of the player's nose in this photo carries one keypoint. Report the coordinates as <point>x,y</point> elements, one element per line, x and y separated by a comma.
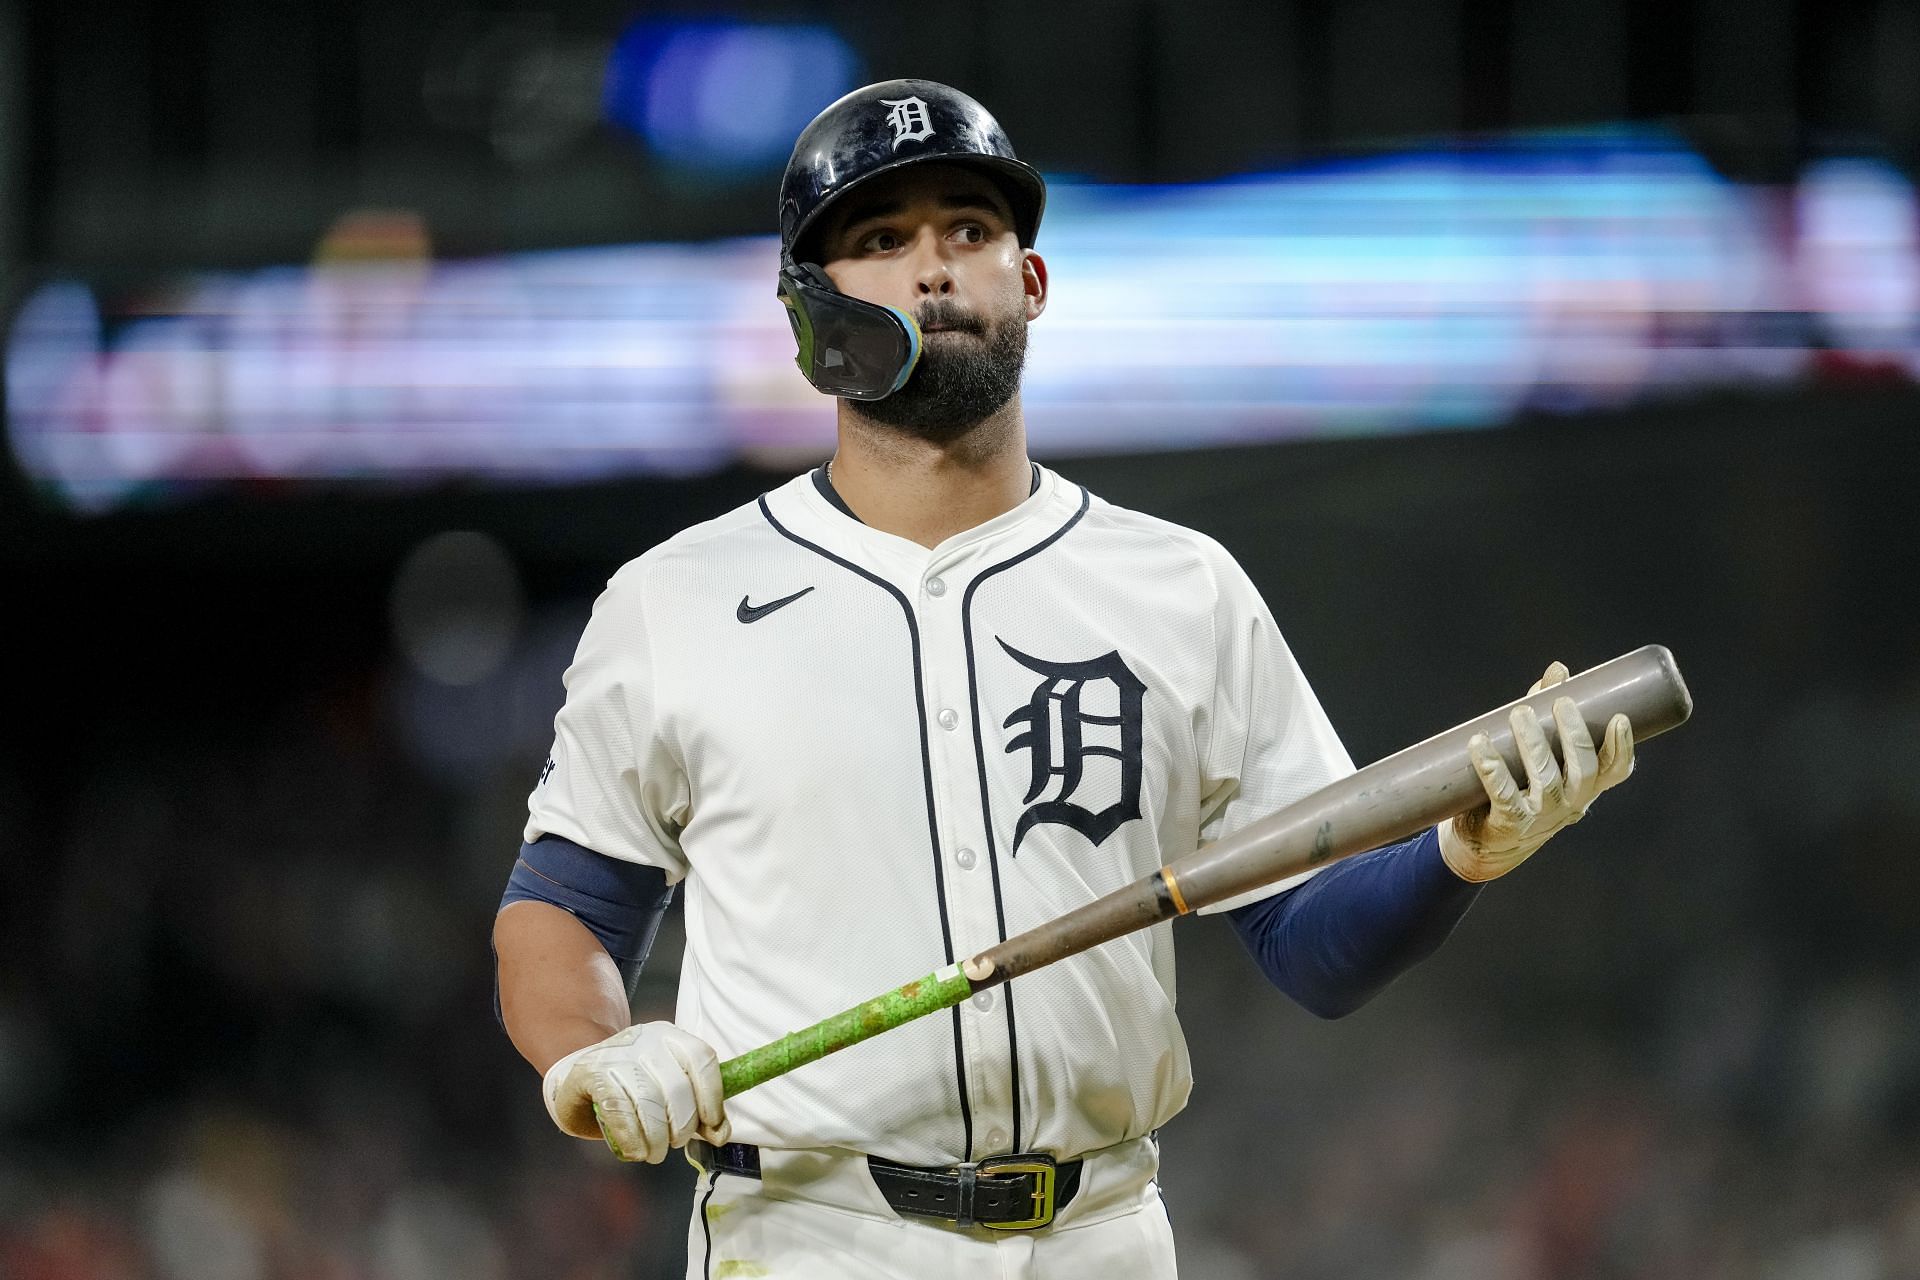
<point>931,278</point>
<point>934,281</point>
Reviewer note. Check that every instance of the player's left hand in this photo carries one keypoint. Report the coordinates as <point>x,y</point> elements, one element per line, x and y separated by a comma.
<point>1487,843</point>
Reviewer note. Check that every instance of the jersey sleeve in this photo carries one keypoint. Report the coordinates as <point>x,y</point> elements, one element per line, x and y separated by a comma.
<point>1271,743</point>
<point>611,784</point>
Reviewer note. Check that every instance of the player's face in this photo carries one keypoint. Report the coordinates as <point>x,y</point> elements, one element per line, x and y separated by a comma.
<point>938,242</point>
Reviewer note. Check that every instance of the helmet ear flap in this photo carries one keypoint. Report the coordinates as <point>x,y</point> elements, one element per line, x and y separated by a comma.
<point>847,347</point>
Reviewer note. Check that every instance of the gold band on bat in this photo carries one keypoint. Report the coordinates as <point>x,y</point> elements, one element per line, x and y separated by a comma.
<point>1173,891</point>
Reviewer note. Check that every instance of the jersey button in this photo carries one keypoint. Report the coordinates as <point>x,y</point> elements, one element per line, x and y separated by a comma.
<point>935,587</point>
<point>984,1002</point>
<point>949,718</point>
<point>996,1138</point>
<point>966,859</point>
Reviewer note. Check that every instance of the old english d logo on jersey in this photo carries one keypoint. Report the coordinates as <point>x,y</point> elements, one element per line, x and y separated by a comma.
<point>909,119</point>
<point>1060,734</point>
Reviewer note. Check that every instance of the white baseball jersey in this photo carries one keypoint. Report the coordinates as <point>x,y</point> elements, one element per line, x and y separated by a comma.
<point>868,759</point>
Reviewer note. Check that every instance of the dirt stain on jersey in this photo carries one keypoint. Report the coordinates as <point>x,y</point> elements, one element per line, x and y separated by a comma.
<point>721,1270</point>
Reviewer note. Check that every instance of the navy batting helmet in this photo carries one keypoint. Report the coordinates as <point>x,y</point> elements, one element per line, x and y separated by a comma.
<point>849,347</point>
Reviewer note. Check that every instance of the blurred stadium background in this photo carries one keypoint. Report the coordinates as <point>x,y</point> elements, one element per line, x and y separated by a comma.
<point>350,347</point>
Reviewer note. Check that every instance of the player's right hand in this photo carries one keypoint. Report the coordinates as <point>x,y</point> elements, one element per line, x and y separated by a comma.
<point>646,1090</point>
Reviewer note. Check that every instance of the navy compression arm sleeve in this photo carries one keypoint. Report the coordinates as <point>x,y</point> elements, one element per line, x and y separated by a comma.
<point>1336,941</point>
<point>621,902</point>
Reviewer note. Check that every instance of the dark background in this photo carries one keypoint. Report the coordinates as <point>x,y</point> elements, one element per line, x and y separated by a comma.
<point>253,855</point>
<point>221,132</point>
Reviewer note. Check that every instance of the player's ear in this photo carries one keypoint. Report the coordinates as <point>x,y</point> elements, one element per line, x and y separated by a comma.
<point>1033,282</point>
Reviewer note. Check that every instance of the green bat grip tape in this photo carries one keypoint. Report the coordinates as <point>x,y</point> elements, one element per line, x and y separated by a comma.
<point>902,1005</point>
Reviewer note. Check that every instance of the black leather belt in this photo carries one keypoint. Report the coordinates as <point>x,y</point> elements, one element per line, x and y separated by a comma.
<point>1007,1193</point>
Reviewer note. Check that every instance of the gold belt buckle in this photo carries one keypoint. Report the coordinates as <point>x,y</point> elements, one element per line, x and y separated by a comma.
<point>1041,1166</point>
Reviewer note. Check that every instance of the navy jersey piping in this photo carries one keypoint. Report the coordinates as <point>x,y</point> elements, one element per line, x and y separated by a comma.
<point>980,763</point>
<point>831,494</point>
<point>926,776</point>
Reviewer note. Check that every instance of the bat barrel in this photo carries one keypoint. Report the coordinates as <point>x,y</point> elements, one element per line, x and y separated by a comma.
<point>1428,782</point>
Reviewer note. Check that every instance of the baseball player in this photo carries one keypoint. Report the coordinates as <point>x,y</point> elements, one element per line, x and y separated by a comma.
<point>914,701</point>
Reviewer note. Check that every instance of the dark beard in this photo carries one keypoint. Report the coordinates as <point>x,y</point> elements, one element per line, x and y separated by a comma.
<point>962,379</point>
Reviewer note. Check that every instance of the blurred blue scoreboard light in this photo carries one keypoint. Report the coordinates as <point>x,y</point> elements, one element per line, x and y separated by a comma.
<point>1444,289</point>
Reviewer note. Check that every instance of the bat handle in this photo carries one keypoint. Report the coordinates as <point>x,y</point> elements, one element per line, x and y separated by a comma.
<point>936,991</point>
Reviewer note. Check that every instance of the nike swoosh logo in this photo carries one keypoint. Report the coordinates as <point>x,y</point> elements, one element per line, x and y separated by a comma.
<point>754,612</point>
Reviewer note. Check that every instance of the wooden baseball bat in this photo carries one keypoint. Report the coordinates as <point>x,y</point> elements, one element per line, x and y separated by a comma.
<point>1387,801</point>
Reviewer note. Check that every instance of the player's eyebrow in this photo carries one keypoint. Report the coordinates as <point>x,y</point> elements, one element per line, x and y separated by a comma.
<point>952,201</point>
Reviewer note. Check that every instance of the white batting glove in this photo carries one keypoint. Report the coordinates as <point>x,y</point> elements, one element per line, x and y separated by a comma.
<point>1487,843</point>
<point>646,1090</point>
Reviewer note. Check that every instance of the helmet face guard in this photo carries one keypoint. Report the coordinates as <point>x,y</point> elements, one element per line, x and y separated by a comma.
<point>849,348</point>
